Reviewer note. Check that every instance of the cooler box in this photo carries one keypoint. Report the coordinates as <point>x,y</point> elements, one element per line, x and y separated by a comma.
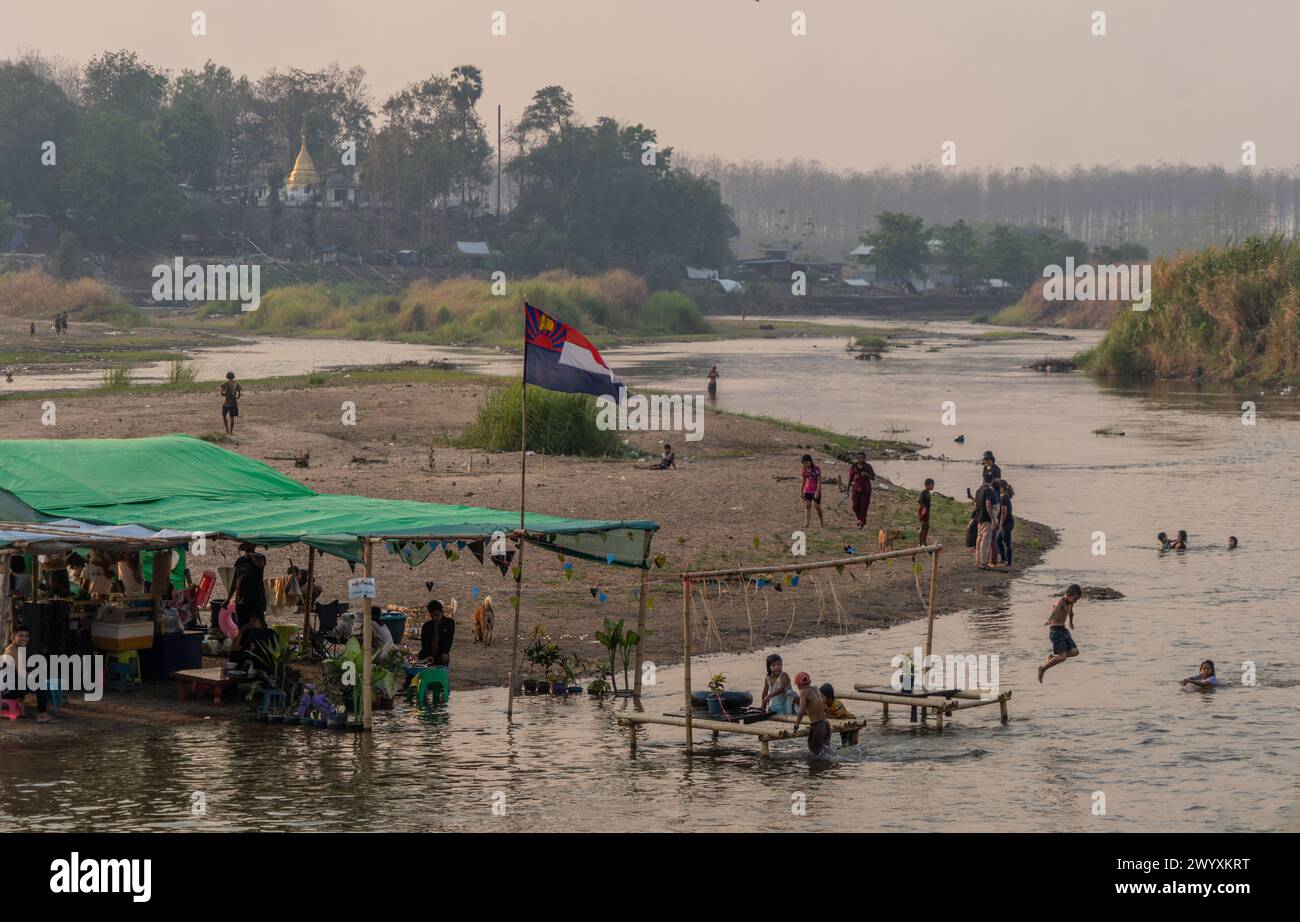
<point>128,635</point>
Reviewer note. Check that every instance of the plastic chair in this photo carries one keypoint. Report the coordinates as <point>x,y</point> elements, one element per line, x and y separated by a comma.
<point>272,698</point>
<point>130,658</point>
<point>435,680</point>
<point>11,708</point>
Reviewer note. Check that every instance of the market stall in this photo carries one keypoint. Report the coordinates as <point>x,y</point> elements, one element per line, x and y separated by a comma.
<point>203,491</point>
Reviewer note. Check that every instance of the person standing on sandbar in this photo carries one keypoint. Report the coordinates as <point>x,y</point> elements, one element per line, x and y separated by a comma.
<point>230,394</point>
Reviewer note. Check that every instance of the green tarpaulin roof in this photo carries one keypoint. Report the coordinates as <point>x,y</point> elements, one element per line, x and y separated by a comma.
<point>183,483</point>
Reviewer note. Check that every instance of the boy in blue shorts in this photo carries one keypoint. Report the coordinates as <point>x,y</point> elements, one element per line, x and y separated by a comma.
<point>1063,645</point>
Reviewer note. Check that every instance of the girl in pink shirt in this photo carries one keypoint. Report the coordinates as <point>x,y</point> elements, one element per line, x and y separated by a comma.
<point>812,492</point>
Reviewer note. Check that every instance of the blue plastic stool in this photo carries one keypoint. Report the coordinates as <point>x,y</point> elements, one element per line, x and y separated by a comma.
<point>121,677</point>
<point>130,658</point>
<point>272,698</point>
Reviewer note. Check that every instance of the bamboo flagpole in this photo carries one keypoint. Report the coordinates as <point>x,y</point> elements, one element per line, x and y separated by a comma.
<point>523,504</point>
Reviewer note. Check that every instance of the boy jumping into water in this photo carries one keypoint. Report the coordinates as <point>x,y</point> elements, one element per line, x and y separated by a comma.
<point>810,704</point>
<point>1063,645</point>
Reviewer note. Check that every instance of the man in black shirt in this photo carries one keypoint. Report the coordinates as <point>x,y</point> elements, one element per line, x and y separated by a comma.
<point>436,636</point>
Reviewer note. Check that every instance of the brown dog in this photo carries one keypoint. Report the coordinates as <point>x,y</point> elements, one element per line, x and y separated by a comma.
<point>886,539</point>
<point>484,616</point>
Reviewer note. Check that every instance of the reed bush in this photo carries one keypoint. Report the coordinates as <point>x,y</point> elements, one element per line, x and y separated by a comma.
<point>1224,313</point>
<point>464,310</point>
<point>35,293</point>
<point>558,424</point>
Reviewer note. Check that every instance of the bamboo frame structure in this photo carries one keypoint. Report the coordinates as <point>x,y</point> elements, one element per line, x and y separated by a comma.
<point>689,578</point>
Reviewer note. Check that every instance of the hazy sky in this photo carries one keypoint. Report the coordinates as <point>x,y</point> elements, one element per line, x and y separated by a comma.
<point>873,83</point>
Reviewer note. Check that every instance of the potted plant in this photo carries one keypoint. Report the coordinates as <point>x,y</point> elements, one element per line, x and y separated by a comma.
<point>599,687</point>
<point>907,673</point>
<point>717,685</point>
<point>543,654</point>
<point>610,636</point>
<point>626,648</point>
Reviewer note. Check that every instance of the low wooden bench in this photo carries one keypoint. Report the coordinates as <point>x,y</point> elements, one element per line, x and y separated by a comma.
<point>205,678</point>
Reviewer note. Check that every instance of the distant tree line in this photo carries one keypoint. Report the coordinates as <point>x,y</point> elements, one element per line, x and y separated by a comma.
<point>1165,207</point>
<point>139,151</point>
<point>902,246</point>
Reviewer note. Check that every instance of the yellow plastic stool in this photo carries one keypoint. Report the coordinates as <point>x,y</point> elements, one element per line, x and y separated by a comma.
<point>130,658</point>
<point>285,632</point>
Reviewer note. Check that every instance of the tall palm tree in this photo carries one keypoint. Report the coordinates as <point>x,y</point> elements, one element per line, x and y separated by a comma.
<point>466,90</point>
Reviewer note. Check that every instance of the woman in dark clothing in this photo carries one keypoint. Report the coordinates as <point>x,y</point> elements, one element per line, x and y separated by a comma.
<point>436,636</point>
<point>860,476</point>
<point>253,633</point>
<point>1008,522</point>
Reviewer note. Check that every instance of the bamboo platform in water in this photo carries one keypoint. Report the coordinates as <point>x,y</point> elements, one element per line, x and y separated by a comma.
<point>941,705</point>
<point>762,729</point>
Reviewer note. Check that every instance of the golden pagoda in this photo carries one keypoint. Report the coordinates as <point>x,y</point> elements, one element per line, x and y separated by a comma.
<point>303,176</point>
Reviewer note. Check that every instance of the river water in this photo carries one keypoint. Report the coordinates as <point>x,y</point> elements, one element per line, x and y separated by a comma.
<point>1109,743</point>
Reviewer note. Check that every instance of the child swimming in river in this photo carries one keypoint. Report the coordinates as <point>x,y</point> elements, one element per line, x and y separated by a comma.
<point>835,709</point>
<point>1165,543</point>
<point>778,693</point>
<point>1204,678</point>
<point>1180,543</point>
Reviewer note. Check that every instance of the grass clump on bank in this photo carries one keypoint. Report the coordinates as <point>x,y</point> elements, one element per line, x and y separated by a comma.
<point>1225,313</point>
<point>35,293</point>
<point>464,310</point>
<point>558,424</point>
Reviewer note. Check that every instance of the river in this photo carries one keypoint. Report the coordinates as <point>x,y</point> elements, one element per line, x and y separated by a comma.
<point>1109,743</point>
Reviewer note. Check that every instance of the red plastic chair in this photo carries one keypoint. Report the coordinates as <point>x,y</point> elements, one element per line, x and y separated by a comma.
<point>207,582</point>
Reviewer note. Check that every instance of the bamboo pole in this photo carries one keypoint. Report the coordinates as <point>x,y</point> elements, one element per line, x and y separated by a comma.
<point>820,565</point>
<point>641,617</point>
<point>523,504</point>
<point>921,701</point>
<point>366,645</point>
<point>686,654</point>
<point>310,598</point>
<point>5,599</point>
<point>514,635</point>
<point>934,577</point>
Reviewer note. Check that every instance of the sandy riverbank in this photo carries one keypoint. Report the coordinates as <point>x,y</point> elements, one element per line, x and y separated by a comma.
<point>732,487</point>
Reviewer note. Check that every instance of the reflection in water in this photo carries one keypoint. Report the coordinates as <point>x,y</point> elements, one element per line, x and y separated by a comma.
<point>1112,721</point>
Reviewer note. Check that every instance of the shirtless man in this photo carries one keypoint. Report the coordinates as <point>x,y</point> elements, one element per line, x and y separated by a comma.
<point>1063,645</point>
<point>810,704</point>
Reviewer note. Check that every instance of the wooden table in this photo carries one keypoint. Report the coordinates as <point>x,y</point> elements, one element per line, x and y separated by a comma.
<point>209,678</point>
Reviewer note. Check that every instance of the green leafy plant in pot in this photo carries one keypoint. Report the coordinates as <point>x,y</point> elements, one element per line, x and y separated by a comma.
<point>717,685</point>
<point>543,654</point>
<point>610,636</point>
